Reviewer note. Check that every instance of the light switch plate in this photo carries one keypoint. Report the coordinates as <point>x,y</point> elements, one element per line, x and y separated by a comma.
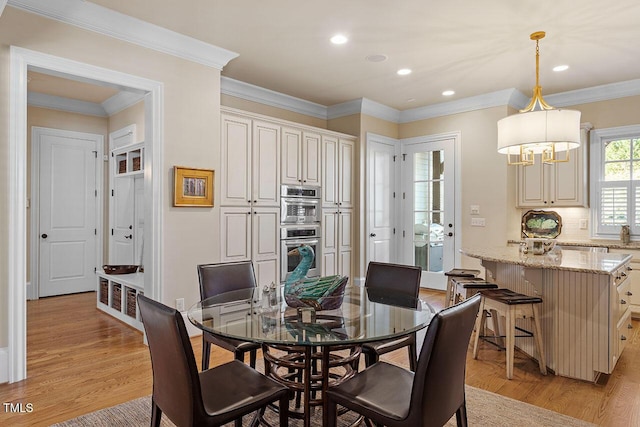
<point>475,209</point>
<point>477,222</point>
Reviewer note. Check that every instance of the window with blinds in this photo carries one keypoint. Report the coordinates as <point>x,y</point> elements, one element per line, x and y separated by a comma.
<point>618,187</point>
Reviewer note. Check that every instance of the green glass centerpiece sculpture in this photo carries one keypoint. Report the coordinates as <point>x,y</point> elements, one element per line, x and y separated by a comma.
<point>321,293</point>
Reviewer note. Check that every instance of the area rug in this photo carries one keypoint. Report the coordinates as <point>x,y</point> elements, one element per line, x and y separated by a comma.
<point>484,409</point>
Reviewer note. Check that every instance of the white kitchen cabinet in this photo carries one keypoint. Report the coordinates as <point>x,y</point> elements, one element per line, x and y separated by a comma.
<point>300,157</point>
<point>337,172</point>
<point>554,185</point>
<point>252,233</point>
<point>337,235</point>
<point>631,293</point>
<point>250,162</point>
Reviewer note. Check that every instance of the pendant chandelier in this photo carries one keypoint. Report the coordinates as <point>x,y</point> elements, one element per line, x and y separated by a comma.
<point>538,128</point>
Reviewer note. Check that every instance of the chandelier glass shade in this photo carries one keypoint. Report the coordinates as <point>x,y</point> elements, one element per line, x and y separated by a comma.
<point>538,129</point>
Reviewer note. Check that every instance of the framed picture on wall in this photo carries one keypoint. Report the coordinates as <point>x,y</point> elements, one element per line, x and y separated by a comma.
<point>193,187</point>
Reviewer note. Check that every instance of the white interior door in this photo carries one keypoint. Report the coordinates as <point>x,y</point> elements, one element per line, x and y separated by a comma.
<point>381,207</point>
<point>67,210</point>
<point>429,208</point>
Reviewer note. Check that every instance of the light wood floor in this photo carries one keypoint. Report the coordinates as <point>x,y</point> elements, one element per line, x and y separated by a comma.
<point>81,360</point>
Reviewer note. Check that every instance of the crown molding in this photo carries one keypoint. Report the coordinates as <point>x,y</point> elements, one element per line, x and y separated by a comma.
<point>121,101</point>
<point>363,106</point>
<point>52,102</point>
<point>238,89</point>
<point>111,106</point>
<point>595,94</point>
<point>92,17</point>
<point>506,97</point>
<point>3,3</point>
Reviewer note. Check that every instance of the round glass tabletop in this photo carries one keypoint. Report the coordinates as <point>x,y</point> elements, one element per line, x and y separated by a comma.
<point>263,316</point>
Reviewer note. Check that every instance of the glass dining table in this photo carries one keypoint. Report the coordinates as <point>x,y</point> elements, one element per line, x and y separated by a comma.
<point>309,349</point>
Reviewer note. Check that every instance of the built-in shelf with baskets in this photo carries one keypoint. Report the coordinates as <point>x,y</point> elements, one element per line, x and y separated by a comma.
<point>128,160</point>
<point>117,296</point>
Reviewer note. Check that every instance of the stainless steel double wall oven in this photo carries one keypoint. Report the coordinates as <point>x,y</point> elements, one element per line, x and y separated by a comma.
<point>300,219</point>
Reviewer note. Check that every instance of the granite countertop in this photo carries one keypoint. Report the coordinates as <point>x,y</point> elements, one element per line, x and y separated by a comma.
<point>611,244</point>
<point>579,261</point>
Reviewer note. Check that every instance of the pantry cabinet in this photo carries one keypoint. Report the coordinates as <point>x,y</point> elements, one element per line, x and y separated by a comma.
<point>252,234</point>
<point>300,157</point>
<point>337,235</point>
<point>337,172</point>
<point>250,168</point>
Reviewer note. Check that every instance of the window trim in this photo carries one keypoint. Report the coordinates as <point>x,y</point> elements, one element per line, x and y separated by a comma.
<point>596,171</point>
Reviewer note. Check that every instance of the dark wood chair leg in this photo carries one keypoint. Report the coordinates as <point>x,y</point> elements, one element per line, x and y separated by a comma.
<point>332,414</point>
<point>461,415</point>
<point>206,352</point>
<point>252,358</point>
<point>413,356</point>
<point>284,411</point>
<point>156,414</point>
<point>370,359</point>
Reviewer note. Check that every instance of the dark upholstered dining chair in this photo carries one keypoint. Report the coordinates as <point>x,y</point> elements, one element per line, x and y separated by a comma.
<point>216,279</point>
<point>392,396</point>
<point>209,398</point>
<point>404,279</point>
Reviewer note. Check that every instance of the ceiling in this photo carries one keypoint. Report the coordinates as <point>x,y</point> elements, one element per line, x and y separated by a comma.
<point>471,47</point>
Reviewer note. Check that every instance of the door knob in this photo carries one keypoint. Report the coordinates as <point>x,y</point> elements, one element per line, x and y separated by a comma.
<point>449,234</point>
<point>44,235</point>
<point>372,234</point>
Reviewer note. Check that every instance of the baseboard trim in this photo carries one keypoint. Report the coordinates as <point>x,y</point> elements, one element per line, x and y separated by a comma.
<point>4,365</point>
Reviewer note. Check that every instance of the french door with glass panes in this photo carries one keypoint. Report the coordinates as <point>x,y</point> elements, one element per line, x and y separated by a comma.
<point>428,201</point>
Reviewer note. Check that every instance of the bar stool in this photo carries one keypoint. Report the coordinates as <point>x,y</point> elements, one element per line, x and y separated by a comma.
<point>457,273</point>
<point>464,288</point>
<point>511,304</point>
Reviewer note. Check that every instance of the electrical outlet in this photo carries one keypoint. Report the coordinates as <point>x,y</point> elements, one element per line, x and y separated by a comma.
<point>583,224</point>
<point>180,304</point>
<point>477,222</point>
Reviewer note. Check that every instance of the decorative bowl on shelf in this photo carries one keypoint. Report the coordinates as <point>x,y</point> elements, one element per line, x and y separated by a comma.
<point>119,269</point>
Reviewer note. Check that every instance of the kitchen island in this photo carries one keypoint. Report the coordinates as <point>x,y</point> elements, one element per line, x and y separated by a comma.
<point>585,314</point>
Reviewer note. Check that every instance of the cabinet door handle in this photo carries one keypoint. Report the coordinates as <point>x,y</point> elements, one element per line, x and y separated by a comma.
<point>629,293</point>
<point>623,274</point>
<point>629,326</point>
<point>372,234</point>
<point>44,235</point>
<point>130,236</point>
<point>622,301</point>
<point>623,338</point>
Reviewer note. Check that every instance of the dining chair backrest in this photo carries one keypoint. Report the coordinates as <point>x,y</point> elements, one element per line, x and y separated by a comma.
<point>399,277</point>
<point>438,384</point>
<point>176,385</point>
<point>216,279</point>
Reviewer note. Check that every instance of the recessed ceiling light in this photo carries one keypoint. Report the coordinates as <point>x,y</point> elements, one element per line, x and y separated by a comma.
<point>404,71</point>
<point>376,58</point>
<point>339,39</point>
<point>448,92</point>
<point>561,68</point>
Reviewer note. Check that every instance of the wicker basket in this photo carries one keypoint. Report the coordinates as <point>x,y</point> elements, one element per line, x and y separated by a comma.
<point>135,164</point>
<point>131,302</point>
<point>122,166</point>
<point>116,297</point>
<point>104,291</point>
